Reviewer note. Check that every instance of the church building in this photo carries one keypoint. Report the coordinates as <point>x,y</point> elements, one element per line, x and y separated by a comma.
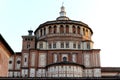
<point>59,48</point>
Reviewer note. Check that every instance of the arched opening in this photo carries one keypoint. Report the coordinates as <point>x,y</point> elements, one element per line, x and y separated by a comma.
<point>74,30</point>
<point>87,32</point>
<point>61,29</point>
<point>50,29</point>
<point>78,30</point>
<point>84,31</point>
<point>44,31</point>
<point>67,29</point>
<point>54,29</point>
<point>41,32</point>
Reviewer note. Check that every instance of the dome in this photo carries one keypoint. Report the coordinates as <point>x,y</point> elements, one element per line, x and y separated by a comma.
<point>66,32</point>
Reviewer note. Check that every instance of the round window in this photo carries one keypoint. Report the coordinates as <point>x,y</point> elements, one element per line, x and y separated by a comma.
<point>10,62</point>
<point>64,58</point>
<point>18,61</point>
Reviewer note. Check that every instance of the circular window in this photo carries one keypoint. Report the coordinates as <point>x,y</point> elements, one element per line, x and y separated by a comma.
<point>18,61</point>
<point>64,58</point>
<point>10,62</point>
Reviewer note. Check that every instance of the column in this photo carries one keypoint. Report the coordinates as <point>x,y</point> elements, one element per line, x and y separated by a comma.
<point>98,57</point>
<point>64,29</point>
<point>39,33</point>
<point>42,31</point>
<point>58,28</point>
<point>70,29</point>
<point>81,31</point>
<point>52,27</point>
<point>76,29</point>
<point>46,29</point>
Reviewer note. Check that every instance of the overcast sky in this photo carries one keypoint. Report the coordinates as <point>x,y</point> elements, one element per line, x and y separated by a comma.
<point>103,16</point>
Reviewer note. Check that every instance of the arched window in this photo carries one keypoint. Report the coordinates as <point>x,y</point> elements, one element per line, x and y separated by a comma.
<point>67,29</point>
<point>41,32</point>
<point>78,30</point>
<point>84,31</point>
<point>50,29</point>
<point>54,29</point>
<point>87,32</point>
<point>74,30</point>
<point>44,31</point>
<point>61,29</point>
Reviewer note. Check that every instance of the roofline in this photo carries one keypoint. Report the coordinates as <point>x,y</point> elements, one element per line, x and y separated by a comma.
<point>110,69</point>
<point>6,44</point>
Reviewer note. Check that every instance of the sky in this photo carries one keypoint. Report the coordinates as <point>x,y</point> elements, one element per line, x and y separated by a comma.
<point>103,16</point>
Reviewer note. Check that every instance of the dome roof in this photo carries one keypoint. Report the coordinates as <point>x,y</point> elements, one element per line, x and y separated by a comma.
<point>58,21</point>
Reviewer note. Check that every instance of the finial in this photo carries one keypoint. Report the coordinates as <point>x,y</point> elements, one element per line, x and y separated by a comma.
<point>62,3</point>
<point>62,12</point>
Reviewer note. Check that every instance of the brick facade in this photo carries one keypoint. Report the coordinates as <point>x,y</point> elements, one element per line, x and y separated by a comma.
<point>59,48</point>
<point>5,53</point>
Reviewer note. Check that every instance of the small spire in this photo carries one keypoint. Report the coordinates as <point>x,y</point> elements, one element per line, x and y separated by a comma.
<point>62,12</point>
